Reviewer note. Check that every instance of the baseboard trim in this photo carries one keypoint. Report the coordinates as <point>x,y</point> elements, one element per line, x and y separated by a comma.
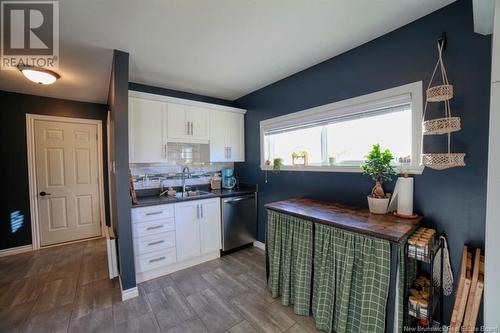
<point>16,250</point>
<point>259,245</point>
<point>129,293</point>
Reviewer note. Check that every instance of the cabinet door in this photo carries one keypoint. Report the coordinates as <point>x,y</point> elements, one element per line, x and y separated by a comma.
<point>218,136</point>
<point>236,137</point>
<point>199,119</point>
<point>177,122</point>
<point>146,131</point>
<point>187,230</point>
<point>210,226</point>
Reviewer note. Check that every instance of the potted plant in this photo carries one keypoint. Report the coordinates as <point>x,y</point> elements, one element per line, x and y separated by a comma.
<point>378,166</point>
<point>277,162</point>
<point>299,157</point>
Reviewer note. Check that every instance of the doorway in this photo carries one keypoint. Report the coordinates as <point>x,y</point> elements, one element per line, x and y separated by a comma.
<point>66,179</point>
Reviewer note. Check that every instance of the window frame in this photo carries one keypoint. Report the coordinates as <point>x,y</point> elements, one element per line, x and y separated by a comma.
<point>348,107</point>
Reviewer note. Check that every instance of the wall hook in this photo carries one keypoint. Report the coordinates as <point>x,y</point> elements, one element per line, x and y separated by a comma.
<point>443,40</point>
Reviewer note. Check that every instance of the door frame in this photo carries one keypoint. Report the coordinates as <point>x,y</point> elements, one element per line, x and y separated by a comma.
<point>32,179</point>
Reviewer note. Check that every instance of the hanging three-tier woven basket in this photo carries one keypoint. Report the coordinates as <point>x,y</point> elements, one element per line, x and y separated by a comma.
<point>447,125</point>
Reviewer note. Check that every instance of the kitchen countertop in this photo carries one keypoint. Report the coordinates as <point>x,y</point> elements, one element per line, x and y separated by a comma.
<point>152,200</point>
<point>360,220</point>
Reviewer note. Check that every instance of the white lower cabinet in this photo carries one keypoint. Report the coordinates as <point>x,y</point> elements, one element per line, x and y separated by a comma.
<point>197,228</point>
<point>187,227</point>
<point>210,226</point>
<point>171,237</point>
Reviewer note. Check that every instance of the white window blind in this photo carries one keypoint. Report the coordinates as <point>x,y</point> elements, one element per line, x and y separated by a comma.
<point>339,135</point>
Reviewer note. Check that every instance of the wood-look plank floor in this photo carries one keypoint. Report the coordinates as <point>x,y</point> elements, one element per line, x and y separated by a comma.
<point>66,289</point>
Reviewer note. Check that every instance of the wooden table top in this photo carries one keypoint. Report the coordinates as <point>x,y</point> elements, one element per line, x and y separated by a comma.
<point>360,220</point>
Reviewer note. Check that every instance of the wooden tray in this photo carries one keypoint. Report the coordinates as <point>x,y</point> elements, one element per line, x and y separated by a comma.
<point>475,294</point>
<point>462,291</point>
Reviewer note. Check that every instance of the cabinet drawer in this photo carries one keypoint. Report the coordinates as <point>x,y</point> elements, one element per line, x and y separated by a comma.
<point>154,260</point>
<point>154,243</point>
<point>152,213</point>
<point>153,227</point>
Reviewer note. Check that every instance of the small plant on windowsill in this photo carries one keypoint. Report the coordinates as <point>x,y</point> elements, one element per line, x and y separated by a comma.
<point>299,157</point>
<point>277,163</point>
<point>378,166</point>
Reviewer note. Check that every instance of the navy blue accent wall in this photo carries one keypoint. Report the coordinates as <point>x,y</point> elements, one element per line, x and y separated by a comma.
<point>121,202</point>
<point>454,199</point>
<point>13,149</point>
<point>179,94</point>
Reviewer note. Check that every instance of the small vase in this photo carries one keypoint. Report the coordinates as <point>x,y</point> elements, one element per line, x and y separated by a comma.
<point>378,205</point>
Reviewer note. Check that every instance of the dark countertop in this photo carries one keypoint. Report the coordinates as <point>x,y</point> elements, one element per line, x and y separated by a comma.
<point>390,227</point>
<point>151,200</point>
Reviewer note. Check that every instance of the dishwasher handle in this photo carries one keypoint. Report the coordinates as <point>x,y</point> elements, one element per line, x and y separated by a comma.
<point>240,198</point>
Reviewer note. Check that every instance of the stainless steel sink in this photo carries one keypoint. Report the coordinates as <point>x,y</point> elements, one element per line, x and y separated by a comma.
<point>186,194</point>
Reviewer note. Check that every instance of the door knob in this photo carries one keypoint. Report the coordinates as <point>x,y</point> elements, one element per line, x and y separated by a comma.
<point>43,193</point>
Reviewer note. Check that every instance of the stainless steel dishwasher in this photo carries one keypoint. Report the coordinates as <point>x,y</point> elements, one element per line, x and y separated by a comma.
<point>239,221</point>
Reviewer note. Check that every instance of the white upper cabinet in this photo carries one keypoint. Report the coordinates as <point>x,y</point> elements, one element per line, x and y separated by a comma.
<point>156,120</point>
<point>199,119</point>
<point>147,135</point>
<point>177,123</point>
<point>187,123</point>
<point>227,136</point>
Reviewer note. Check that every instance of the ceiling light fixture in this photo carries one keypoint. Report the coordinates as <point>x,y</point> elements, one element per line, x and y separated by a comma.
<point>39,75</point>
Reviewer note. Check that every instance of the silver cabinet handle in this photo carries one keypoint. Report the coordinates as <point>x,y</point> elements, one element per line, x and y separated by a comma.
<point>201,208</point>
<point>165,150</point>
<point>229,152</point>
<point>236,199</point>
<point>154,213</point>
<point>198,212</point>
<point>156,243</point>
<point>187,127</point>
<point>157,259</point>
<point>154,227</point>
<point>192,126</point>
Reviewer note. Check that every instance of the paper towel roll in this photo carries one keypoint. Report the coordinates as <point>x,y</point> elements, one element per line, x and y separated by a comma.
<point>405,195</point>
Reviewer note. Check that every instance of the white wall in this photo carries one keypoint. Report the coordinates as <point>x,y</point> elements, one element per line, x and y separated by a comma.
<point>492,247</point>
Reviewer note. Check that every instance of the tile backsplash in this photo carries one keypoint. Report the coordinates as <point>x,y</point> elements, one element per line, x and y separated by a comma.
<point>152,175</point>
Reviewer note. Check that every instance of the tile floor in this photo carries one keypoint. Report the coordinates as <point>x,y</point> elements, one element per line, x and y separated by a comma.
<point>66,289</point>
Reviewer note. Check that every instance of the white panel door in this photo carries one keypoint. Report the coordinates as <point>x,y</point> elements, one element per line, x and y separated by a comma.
<point>66,158</point>
<point>187,230</point>
<point>177,122</point>
<point>199,120</point>
<point>147,137</point>
<point>210,226</point>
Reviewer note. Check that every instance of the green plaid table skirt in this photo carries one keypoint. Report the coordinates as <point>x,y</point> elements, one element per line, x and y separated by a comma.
<point>351,281</point>
<point>289,246</point>
<point>348,288</point>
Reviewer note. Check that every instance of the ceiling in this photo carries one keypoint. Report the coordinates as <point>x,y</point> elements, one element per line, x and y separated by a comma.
<point>219,48</point>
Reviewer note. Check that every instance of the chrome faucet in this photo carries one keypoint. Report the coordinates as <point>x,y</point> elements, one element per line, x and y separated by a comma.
<point>184,178</point>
